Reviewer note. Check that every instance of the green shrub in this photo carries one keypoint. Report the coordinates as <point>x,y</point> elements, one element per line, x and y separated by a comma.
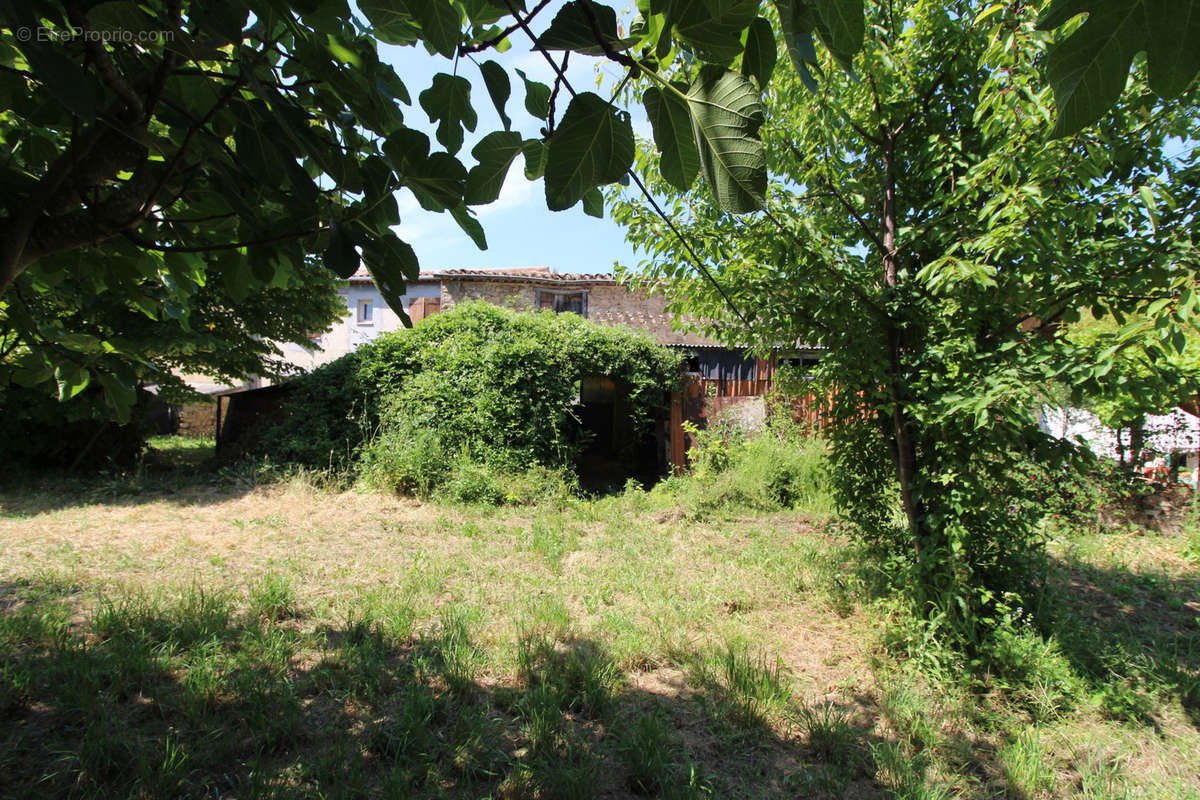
<point>40,432</point>
<point>538,485</point>
<point>777,468</point>
<point>1080,489</point>
<point>477,384</point>
<point>473,483</point>
<point>323,420</point>
<point>406,458</point>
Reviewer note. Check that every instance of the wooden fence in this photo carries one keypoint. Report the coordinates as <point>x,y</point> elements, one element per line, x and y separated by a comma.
<point>701,399</point>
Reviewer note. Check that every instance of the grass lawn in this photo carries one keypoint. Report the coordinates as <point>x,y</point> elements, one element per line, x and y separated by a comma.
<point>220,638</point>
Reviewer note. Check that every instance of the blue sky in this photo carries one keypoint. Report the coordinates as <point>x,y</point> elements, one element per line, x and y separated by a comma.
<point>520,230</point>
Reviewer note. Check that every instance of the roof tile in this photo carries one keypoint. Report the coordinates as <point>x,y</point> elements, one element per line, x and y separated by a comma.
<point>529,274</point>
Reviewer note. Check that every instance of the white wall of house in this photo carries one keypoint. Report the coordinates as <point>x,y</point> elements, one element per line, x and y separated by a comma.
<point>1174,432</point>
<point>366,316</point>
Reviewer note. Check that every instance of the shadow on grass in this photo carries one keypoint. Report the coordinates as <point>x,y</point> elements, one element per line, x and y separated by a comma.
<point>29,494</point>
<point>200,699</point>
<point>1129,635</point>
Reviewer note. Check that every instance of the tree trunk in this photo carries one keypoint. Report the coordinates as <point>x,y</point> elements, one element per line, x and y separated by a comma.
<point>1137,443</point>
<point>906,459</point>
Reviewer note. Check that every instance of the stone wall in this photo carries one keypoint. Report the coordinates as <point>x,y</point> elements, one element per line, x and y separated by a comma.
<point>608,304</point>
<point>197,419</point>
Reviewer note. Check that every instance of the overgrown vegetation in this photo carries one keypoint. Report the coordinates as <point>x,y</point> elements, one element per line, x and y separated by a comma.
<point>780,467</point>
<point>467,397</point>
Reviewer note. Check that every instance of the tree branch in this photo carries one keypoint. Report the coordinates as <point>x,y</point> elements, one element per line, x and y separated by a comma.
<point>146,244</point>
<point>104,63</point>
<point>464,50</point>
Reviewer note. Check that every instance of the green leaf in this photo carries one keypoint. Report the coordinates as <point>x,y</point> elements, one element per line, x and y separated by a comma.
<point>796,28</point>
<point>671,122</point>
<point>405,148</point>
<point>758,60</point>
<point>236,274</point>
<point>66,81</point>
<point>466,220</point>
<point>534,151</point>
<point>438,182</point>
<point>843,25</point>
<point>390,260</point>
<point>499,88</point>
<point>593,203</point>
<point>82,342</point>
<point>440,25</point>
<point>1060,12</point>
<point>71,380</point>
<point>340,256</point>
<point>1172,45</point>
<point>448,102</point>
<point>726,116</point>
<point>495,153</point>
<point>1088,70</point>
<point>593,146</point>
<point>572,30</point>
<point>712,28</point>
<point>390,21</point>
<point>537,97</point>
<point>120,395</point>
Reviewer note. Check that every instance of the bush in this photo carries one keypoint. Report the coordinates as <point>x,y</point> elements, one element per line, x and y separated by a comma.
<point>473,483</point>
<point>406,458</point>
<point>40,432</point>
<point>1080,489</point>
<point>779,468</point>
<point>478,385</point>
<point>323,421</point>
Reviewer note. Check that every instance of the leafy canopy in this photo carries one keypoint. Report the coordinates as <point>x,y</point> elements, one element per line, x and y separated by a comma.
<point>147,139</point>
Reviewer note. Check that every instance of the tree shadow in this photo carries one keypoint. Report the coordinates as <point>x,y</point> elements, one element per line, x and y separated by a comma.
<point>202,699</point>
<point>29,494</point>
<point>1130,634</point>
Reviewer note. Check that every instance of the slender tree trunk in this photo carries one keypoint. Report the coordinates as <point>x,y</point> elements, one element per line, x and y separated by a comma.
<point>906,460</point>
<point>1137,443</point>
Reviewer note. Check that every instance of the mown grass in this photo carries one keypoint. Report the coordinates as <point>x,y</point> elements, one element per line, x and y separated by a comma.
<point>232,638</point>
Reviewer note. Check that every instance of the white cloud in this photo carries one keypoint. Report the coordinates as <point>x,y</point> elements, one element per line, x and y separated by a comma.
<point>517,192</point>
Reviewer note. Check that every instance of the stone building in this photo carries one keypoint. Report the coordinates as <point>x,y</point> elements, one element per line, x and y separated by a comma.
<point>596,296</point>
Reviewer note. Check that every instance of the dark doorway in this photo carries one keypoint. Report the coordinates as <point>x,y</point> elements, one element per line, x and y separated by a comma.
<point>613,452</point>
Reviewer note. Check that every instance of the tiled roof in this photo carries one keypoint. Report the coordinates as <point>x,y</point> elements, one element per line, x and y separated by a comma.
<point>363,276</point>
<point>538,274</point>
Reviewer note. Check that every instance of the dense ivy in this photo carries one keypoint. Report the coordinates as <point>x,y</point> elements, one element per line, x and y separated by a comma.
<point>494,385</point>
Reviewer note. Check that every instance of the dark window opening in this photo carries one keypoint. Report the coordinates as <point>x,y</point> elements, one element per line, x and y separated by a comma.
<point>559,302</point>
<point>802,364</point>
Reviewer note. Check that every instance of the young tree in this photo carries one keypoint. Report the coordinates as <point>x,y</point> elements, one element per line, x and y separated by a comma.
<point>922,227</point>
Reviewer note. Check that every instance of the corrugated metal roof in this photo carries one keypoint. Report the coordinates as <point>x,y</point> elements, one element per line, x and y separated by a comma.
<point>788,347</point>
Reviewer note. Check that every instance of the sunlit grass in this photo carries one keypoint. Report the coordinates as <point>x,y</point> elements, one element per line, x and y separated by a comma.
<point>289,639</point>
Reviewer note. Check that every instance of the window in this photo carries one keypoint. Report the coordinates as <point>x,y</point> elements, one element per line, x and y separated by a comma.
<point>558,302</point>
<point>366,311</point>
<point>803,365</point>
